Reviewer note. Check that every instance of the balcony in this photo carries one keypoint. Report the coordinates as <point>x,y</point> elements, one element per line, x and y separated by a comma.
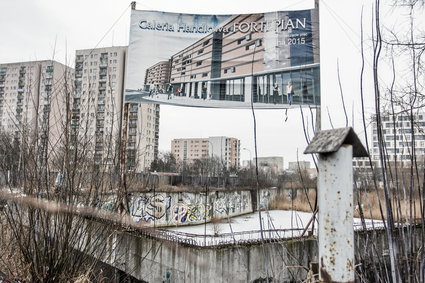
<point>103,71</point>
<point>103,62</point>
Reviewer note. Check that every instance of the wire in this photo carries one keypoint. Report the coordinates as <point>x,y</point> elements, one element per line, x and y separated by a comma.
<point>108,31</point>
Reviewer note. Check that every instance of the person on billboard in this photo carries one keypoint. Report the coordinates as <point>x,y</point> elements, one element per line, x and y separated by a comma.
<point>169,91</point>
<point>304,92</point>
<point>152,89</point>
<point>290,92</point>
<point>275,93</point>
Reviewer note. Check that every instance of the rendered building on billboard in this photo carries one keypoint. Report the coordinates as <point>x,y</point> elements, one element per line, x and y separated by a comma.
<point>158,76</point>
<point>270,59</point>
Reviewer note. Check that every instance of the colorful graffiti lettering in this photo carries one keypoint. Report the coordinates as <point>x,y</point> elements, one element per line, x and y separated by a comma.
<point>184,213</point>
<point>150,208</point>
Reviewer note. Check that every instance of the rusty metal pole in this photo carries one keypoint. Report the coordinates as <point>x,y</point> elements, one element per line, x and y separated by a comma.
<point>335,200</point>
<point>336,149</point>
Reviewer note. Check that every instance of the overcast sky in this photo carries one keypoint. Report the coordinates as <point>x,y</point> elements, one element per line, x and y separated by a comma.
<point>46,29</point>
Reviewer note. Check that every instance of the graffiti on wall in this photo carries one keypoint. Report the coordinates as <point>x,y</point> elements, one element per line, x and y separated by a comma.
<point>186,213</point>
<point>221,205</point>
<point>264,199</point>
<point>176,208</point>
<point>150,208</point>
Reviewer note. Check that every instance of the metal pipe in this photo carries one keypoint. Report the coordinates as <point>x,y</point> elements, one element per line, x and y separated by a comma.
<point>335,199</point>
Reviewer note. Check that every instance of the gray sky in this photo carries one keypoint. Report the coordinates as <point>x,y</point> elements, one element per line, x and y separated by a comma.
<point>46,29</point>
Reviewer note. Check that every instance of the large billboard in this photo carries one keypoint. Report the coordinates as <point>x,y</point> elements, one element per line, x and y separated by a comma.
<point>268,60</point>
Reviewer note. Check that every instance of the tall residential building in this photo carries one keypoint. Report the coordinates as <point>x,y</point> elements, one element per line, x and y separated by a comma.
<point>226,149</point>
<point>397,137</point>
<point>33,97</point>
<point>98,110</point>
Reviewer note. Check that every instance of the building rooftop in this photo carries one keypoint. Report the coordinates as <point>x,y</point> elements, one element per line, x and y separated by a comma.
<point>277,225</point>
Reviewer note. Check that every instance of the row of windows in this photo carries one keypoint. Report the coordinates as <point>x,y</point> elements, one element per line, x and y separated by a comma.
<point>402,118</point>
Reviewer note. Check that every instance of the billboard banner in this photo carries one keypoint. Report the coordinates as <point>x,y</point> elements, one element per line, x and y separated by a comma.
<point>269,60</point>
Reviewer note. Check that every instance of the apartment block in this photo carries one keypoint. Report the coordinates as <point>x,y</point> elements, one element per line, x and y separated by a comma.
<point>33,97</point>
<point>226,149</point>
<point>272,163</point>
<point>98,111</point>
<point>397,135</point>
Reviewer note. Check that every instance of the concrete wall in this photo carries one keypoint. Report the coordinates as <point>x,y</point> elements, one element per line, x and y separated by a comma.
<point>183,208</point>
<point>162,209</point>
<point>153,260</point>
<point>163,261</point>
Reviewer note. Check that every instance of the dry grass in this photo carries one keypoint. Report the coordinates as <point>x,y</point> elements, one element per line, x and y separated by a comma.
<point>371,202</point>
<point>10,258</point>
<point>302,202</point>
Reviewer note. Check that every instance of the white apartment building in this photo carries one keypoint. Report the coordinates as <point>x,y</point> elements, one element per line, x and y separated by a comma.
<point>98,110</point>
<point>397,136</point>
<point>226,149</point>
<point>33,99</point>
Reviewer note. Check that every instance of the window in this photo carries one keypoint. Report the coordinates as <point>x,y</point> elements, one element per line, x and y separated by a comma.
<point>200,51</point>
<point>199,63</point>
<point>230,70</point>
